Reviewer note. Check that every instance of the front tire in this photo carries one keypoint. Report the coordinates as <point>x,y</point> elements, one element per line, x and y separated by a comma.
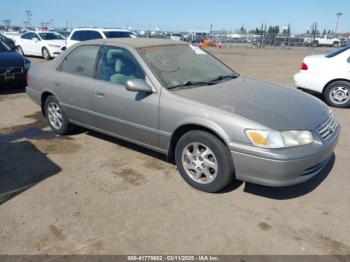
<point>57,120</point>
<point>204,161</point>
<point>46,54</point>
<point>337,94</point>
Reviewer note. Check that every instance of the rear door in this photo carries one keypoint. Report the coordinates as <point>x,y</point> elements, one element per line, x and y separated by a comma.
<point>26,43</point>
<point>130,115</point>
<point>74,84</point>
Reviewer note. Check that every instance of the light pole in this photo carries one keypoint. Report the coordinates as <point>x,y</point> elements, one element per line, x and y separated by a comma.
<point>29,15</point>
<point>338,16</point>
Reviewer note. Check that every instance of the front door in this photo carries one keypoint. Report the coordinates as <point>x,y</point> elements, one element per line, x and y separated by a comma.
<point>129,115</point>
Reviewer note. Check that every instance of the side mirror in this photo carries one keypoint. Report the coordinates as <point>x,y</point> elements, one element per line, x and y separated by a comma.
<point>138,85</point>
<point>35,39</point>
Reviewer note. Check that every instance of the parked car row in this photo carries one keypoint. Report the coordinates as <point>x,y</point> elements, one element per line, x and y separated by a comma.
<point>49,44</point>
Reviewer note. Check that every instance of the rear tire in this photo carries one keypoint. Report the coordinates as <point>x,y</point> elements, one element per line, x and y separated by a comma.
<point>56,118</point>
<point>46,54</point>
<point>337,94</point>
<point>204,161</point>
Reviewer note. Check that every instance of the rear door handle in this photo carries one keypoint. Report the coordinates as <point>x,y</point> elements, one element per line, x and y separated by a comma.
<point>100,95</point>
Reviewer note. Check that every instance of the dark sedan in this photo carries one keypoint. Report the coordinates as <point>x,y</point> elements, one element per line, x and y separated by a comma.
<point>13,67</point>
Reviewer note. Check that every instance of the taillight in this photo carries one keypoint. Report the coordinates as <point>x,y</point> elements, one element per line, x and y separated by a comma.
<point>304,66</point>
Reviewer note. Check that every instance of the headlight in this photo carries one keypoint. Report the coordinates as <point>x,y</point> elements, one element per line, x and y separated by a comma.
<point>279,139</point>
<point>52,45</point>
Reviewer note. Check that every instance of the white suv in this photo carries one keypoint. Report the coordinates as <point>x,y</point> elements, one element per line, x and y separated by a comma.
<point>46,44</point>
<point>83,34</point>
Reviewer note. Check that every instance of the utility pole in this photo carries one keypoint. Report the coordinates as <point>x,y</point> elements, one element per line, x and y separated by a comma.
<point>7,23</point>
<point>338,16</point>
<point>29,15</point>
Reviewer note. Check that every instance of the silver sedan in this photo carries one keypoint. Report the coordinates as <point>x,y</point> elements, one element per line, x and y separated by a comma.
<point>179,100</point>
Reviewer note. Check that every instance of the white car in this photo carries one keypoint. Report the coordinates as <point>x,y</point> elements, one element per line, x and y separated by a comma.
<point>46,44</point>
<point>176,37</point>
<point>328,75</point>
<point>12,35</point>
<point>84,34</point>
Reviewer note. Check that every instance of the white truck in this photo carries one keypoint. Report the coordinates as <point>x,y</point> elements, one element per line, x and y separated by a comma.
<point>325,40</point>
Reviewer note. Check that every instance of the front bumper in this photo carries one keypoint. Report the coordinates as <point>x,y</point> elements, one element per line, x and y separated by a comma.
<point>284,170</point>
<point>55,51</point>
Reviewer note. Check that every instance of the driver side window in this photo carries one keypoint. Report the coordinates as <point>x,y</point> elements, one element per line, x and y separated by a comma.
<point>117,65</point>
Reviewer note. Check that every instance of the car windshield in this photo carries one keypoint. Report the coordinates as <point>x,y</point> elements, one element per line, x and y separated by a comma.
<point>338,52</point>
<point>51,36</point>
<point>185,65</point>
<point>117,34</point>
<point>4,47</point>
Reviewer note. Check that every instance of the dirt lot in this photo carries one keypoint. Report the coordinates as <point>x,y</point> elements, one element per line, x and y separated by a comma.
<point>91,194</point>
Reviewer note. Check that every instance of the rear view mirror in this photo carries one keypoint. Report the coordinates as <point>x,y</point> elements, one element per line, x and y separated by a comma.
<point>138,85</point>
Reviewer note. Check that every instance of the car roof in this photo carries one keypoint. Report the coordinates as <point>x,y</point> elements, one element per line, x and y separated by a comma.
<point>136,42</point>
<point>40,31</point>
<point>100,29</point>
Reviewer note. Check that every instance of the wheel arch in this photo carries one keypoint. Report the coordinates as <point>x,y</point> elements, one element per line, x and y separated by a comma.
<point>187,127</point>
<point>44,96</point>
<point>335,80</point>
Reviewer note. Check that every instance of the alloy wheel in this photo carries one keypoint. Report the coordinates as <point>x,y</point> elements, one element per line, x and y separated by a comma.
<point>200,163</point>
<point>55,115</point>
<point>339,95</point>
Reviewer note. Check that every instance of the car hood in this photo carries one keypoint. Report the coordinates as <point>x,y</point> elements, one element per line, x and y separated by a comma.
<point>11,59</point>
<point>271,105</point>
<point>61,43</point>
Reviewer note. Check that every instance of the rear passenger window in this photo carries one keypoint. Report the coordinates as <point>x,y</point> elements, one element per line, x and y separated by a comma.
<point>94,35</point>
<point>85,35</point>
<point>81,61</point>
<point>76,36</point>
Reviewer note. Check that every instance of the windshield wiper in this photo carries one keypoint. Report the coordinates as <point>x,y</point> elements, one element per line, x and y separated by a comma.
<point>190,83</point>
<point>222,77</point>
<point>199,83</point>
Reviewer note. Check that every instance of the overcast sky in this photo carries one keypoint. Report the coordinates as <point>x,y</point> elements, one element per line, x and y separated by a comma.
<point>181,14</point>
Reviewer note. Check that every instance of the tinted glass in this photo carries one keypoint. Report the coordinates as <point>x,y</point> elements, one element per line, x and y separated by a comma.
<point>27,36</point>
<point>337,52</point>
<point>117,34</point>
<point>4,47</point>
<point>94,35</point>
<point>177,64</point>
<point>77,36</point>
<point>118,66</point>
<point>51,36</point>
<point>81,61</point>
<point>86,35</point>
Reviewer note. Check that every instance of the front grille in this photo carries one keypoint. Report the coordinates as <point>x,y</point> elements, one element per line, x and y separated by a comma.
<point>11,70</point>
<point>328,128</point>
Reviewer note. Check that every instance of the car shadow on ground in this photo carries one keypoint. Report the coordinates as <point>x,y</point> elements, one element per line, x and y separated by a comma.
<point>278,193</point>
<point>289,192</point>
<point>11,90</point>
<point>22,166</point>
